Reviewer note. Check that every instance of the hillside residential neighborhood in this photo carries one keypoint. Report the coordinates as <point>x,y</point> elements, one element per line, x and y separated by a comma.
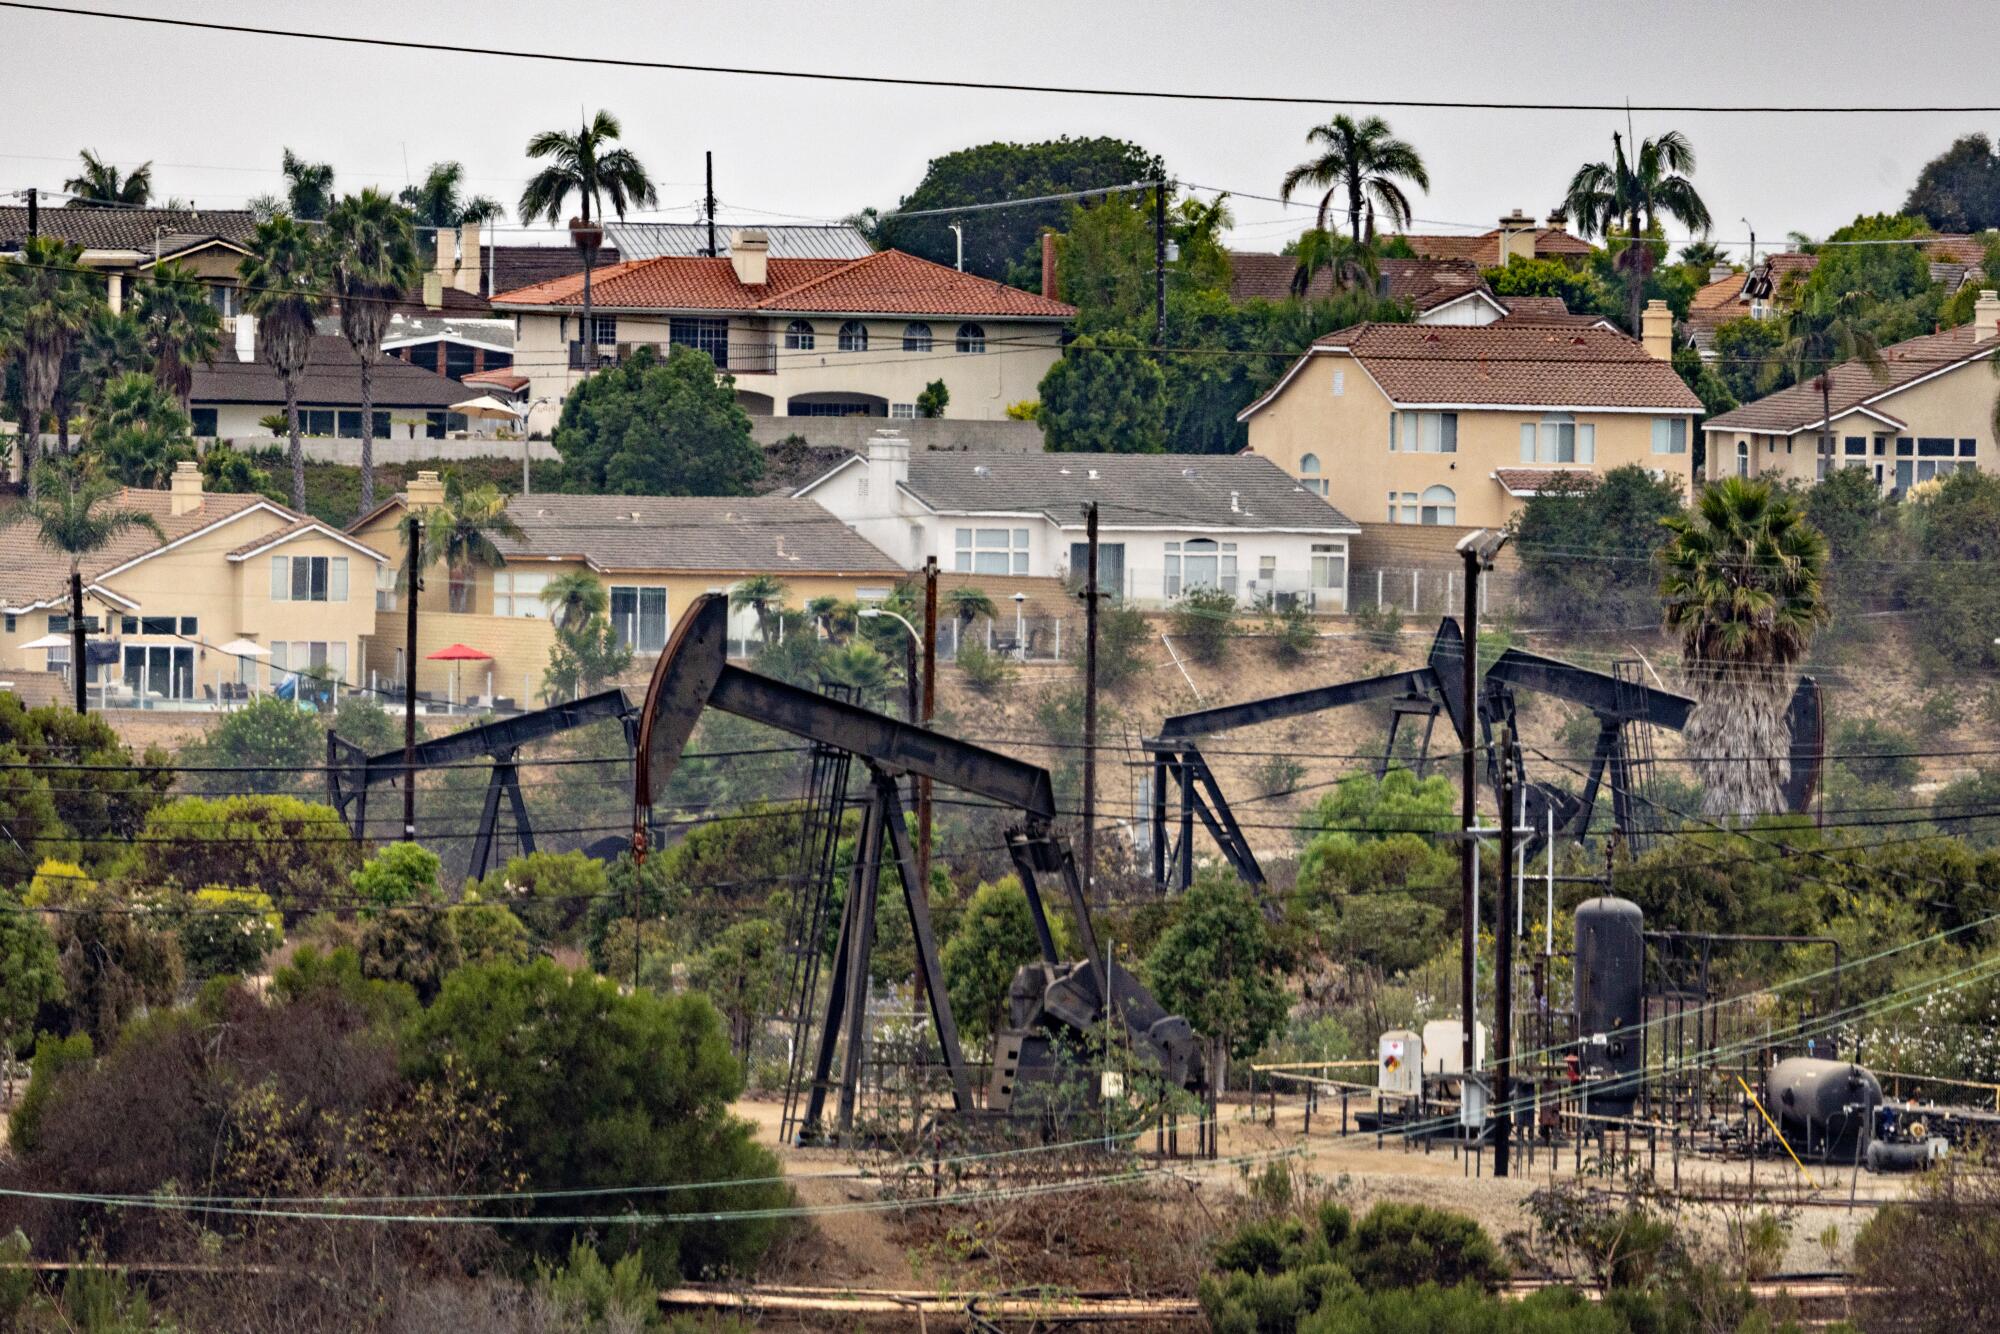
<point>676,670</point>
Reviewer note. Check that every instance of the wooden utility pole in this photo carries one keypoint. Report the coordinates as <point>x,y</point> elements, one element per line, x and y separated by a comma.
<point>1503,966</point>
<point>415,585</point>
<point>34,213</point>
<point>708,200</point>
<point>1159,265</point>
<point>1468,803</point>
<point>78,667</point>
<point>1090,702</point>
<point>930,711</point>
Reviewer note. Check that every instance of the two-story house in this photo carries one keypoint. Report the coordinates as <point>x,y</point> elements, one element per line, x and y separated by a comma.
<point>1167,523</point>
<point>653,555</point>
<point>1926,412</point>
<point>1454,427</point>
<point>123,244</point>
<point>802,337</point>
<point>225,568</point>
<point>1437,291</point>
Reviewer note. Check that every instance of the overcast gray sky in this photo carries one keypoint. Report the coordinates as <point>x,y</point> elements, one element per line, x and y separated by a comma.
<point>214,110</point>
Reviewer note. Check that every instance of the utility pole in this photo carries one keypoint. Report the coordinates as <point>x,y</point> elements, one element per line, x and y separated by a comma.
<point>930,711</point>
<point>1159,265</point>
<point>34,213</point>
<point>78,667</point>
<point>1503,967</point>
<point>708,200</point>
<point>1478,548</point>
<point>415,540</point>
<point>1090,702</point>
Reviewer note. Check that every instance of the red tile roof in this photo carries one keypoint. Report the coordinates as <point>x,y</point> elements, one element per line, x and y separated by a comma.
<point>1484,249</point>
<point>1725,291</point>
<point>888,282</point>
<point>1530,481</point>
<point>500,379</point>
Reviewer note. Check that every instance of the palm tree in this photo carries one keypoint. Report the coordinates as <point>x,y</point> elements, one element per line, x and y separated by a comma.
<point>437,200</point>
<point>283,280</point>
<point>763,594</point>
<point>585,165</point>
<point>1630,195</point>
<point>309,187</point>
<point>138,430</point>
<point>1369,163</point>
<point>67,507</point>
<point>1354,263</point>
<point>1743,587</point>
<point>574,600</point>
<point>1704,255</point>
<point>373,253</point>
<point>460,534</point>
<point>180,325</point>
<point>1821,330</point>
<point>113,345</point>
<point>968,604</point>
<point>99,183</point>
<point>46,304</point>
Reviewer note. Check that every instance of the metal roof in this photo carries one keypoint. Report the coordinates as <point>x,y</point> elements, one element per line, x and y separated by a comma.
<point>653,240</point>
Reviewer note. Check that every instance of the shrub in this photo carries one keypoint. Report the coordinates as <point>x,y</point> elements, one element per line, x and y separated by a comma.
<point>994,937</point>
<point>553,893</point>
<point>228,931</point>
<point>984,672</point>
<point>488,933</point>
<point>295,851</point>
<point>278,741</point>
<point>1586,549</point>
<point>1933,1263</point>
<point>1121,629</point>
<point>1278,775</point>
<point>398,873</point>
<point>1381,627</point>
<point>1403,1245</point>
<point>30,974</point>
<point>55,1059</point>
<point>1205,622</point>
<point>1875,753</point>
<point>1291,632</point>
<point>115,961</point>
<point>417,946</point>
<point>359,719</point>
<point>57,884</point>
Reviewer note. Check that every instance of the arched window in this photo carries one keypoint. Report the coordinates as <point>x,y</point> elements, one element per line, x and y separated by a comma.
<point>1310,476</point>
<point>799,336</point>
<point>971,338</point>
<point>1440,505</point>
<point>854,336</point>
<point>916,337</point>
<point>1742,458</point>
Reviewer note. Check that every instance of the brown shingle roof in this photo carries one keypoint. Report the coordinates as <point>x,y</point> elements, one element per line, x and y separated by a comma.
<point>1484,249</point>
<point>33,571</point>
<point>129,228</point>
<point>888,282</point>
<point>1508,364</point>
<point>332,379</point>
<point>699,534</point>
<point>1800,407</point>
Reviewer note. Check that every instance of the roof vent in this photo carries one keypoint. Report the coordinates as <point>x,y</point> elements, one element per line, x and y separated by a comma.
<point>981,470</point>
<point>1093,474</point>
<point>1062,472</point>
<point>1235,507</point>
<point>635,516</point>
<point>1187,472</point>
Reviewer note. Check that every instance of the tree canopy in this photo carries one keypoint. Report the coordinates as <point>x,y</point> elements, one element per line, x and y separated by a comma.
<point>658,428</point>
<point>1959,189</point>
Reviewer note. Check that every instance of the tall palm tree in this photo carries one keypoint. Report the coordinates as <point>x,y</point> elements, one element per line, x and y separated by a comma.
<point>460,532</point>
<point>1742,585</point>
<point>138,430</point>
<point>439,201</point>
<point>574,600</point>
<point>584,164</point>
<point>46,304</point>
<point>180,325</point>
<point>1630,195</point>
<point>373,254</point>
<point>284,278</point>
<point>100,184</point>
<point>763,594</point>
<point>1821,330</point>
<point>112,345</point>
<point>308,187</point>
<point>1365,160</point>
<point>1354,263</point>
<point>71,518</point>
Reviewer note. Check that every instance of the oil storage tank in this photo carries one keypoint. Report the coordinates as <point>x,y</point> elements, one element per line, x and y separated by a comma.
<point>1824,1107</point>
<point>1610,1002</point>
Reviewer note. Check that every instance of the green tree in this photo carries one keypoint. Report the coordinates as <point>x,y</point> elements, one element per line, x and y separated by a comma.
<point>994,939</point>
<point>1743,590</point>
<point>1363,806</point>
<point>744,973</point>
<point>1214,964</point>
<point>463,534</point>
<point>553,893</point>
<point>115,962</point>
<point>139,432</point>
<point>102,802</point>
<point>46,303</point>
<point>967,604</point>
<point>56,1060</point>
<point>1959,189</point>
<point>180,326</point>
<point>1352,263</point>
<point>1955,533</point>
<point>415,946</point>
<point>308,190</point>
<point>488,933</point>
<point>1629,196</point>
<point>397,875</point>
<point>284,286</point>
<point>100,183</point>
<point>599,1089</point>
<point>1004,243</point>
<point>71,515</point>
<point>1587,547</point>
<point>224,931</point>
<point>268,745</point>
<point>229,472</point>
<point>574,598</point>
<point>372,253</point>
<point>932,399</point>
<point>586,165</point>
<point>763,595</point>
<point>1365,161</point>
<point>439,199</point>
<point>584,659</point>
<point>649,427</point>
<point>1851,512</point>
<point>1822,330</point>
<point>1579,289</point>
<point>30,974</point>
<point>296,851</point>
<point>1104,395</point>
<point>1743,349</point>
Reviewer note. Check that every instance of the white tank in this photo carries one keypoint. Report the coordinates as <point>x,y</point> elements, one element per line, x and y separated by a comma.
<point>1399,1062</point>
<point>1444,1046</point>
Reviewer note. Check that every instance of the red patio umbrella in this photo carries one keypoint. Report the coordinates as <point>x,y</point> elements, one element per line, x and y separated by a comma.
<point>458,653</point>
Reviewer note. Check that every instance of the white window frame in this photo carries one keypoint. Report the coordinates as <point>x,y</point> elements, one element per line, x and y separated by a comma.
<point>1402,507</point>
<point>1187,566</point>
<point>386,577</point>
<point>1559,438</point>
<point>1670,435</point>
<point>1309,473</point>
<point>284,573</point>
<point>605,330</point>
<point>1423,433</point>
<point>903,411</point>
<point>1438,507</point>
<point>1329,566</point>
<point>518,594</point>
<point>991,550</point>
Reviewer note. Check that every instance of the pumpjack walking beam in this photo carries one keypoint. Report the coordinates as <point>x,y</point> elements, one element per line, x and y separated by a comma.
<point>693,674</point>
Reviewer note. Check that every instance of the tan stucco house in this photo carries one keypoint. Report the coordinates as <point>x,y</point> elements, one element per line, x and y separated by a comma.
<point>801,337</point>
<point>231,567</point>
<point>1453,427</point>
<point>653,554</point>
<point>123,244</point>
<point>1926,413</point>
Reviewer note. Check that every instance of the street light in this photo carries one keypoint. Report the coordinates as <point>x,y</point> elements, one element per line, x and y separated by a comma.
<point>870,613</point>
<point>1020,628</point>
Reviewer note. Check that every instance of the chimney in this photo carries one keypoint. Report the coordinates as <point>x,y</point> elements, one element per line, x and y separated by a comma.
<point>1985,315</point>
<point>424,491</point>
<point>749,253</point>
<point>1656,331</point>
<point>1558,219</point>
<point>185,488</point>
<point>246,338</point>
<point>1517,236</point>
<point>433,290</point>
<point>447,246</point>
<point>465,273</point>
<point>1049,266</point>
<point>888,467</point>
<point>1717,272</point>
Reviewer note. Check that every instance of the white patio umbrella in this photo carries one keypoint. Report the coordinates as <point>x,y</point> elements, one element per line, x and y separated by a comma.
<point>244,648</point>
<point>489,407</point>
<point>47,641</point>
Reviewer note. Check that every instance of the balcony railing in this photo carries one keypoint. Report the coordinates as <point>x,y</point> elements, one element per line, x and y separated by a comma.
<point>743,356</point>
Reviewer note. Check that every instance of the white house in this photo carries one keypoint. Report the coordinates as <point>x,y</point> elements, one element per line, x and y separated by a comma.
<point>1167,523</point>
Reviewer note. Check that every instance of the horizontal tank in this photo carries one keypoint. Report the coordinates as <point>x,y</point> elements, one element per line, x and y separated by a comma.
<point>1824,1108</point>
<point>1610,1000</point>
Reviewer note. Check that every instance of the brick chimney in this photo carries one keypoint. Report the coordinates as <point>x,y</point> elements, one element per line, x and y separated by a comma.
<point>1656,330</point>
<point>424,491</point>
<point>184,490</point>
<point>1985,315</point>
<point>749,255</point>
<point>465,272</point>
<point>1049,288</point>
<point>1517,236</point>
